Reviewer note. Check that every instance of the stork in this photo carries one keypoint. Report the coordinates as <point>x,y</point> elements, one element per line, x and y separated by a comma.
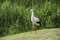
<point>35,20</point>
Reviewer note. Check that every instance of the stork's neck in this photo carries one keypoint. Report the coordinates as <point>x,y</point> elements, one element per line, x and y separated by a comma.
<point>32,14</point>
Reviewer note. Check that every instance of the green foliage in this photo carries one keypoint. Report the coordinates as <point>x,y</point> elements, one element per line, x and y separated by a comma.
<point>15,15</point>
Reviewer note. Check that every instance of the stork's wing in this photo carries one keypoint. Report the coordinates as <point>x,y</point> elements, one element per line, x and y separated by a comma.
<point>36,19</point>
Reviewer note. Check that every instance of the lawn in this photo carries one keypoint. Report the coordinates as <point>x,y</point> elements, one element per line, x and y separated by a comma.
<point>43,34</point>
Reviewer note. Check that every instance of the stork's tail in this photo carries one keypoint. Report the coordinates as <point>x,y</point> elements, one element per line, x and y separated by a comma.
<point>38,23</point>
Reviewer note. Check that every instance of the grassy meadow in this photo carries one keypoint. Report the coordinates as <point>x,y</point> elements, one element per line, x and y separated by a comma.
<point>46,34</point>
<point>15,15</point>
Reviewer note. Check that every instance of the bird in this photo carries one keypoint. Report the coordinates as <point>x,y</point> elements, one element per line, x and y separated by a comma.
<point>35,21</point>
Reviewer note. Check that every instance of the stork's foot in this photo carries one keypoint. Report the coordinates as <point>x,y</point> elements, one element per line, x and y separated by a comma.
<point>35,27</point>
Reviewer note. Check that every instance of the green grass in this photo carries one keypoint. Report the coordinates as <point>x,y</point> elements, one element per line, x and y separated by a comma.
<point>15,15</point>
<point>44,34</point>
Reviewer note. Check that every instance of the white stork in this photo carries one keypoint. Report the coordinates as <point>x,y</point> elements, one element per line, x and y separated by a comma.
<point>35,20</point>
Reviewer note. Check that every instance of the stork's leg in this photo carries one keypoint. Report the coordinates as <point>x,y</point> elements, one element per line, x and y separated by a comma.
<point>32,26</point>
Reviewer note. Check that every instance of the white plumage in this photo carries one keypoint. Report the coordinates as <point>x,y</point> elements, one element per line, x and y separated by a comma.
<point>35,21</point>
<point>33,18</point>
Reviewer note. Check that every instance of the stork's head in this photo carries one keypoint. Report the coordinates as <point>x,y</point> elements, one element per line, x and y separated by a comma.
<point>31,10</point>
